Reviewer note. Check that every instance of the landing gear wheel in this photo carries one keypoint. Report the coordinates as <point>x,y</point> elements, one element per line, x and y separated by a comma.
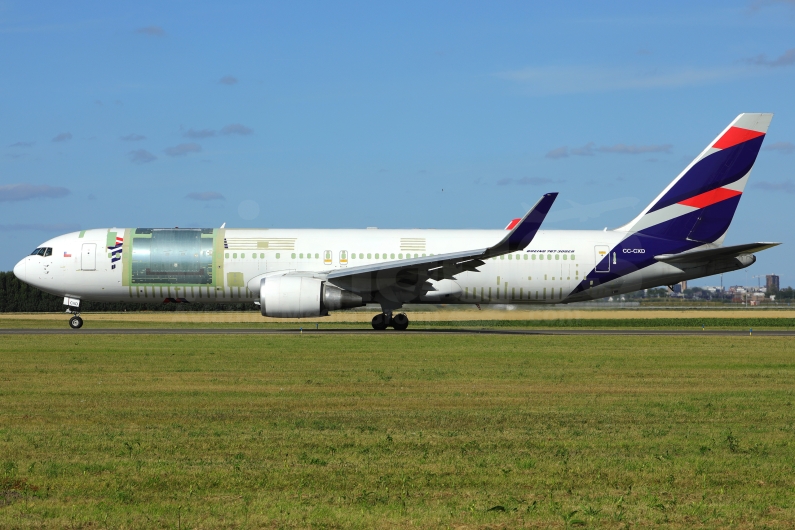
<point>75,322</point>
<point>380,322</point>
<point>400,322</point>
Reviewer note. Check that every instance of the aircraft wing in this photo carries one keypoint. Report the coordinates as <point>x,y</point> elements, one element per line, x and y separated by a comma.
<point>716,253</point>
<point>405,279</point>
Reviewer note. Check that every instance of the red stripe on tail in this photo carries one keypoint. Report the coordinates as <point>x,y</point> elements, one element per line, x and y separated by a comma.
<point>710,197</point>
<point>736,135</point>
<point>512,224</point>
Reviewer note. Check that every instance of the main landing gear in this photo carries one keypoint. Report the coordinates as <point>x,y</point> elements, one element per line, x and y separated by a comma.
<point>384,320</point>
<point>75,322</point>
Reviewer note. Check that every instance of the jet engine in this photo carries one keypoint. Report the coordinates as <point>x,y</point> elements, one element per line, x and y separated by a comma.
<point>301,296</point>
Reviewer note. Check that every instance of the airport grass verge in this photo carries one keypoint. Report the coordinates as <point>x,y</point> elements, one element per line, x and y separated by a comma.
<point>712,323</point>
<point>387,431</point>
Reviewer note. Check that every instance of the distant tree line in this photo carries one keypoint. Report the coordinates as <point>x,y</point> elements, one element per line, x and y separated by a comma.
<point>787,293</point>
<point>19,297</point>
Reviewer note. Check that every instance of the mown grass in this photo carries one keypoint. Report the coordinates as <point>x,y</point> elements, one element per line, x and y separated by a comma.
<point>694,323</point>
<point>388,431</point>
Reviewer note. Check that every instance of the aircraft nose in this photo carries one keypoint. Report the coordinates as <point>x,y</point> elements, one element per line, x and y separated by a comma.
<point>19,270</point>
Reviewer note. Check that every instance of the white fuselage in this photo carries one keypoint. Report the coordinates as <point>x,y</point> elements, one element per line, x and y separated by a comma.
<point>108,264</point>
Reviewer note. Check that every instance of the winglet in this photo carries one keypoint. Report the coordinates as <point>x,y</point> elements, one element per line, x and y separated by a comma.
<point>525,230</point>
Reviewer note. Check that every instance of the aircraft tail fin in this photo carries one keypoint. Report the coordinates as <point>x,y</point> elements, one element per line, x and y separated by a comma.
<point>699,204</point>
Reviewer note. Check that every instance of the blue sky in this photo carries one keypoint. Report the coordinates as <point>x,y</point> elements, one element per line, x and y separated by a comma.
<point>402,114</point>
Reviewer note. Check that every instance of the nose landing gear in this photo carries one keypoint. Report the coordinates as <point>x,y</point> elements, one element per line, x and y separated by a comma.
<point>73,308</point>
<point>384,320</point>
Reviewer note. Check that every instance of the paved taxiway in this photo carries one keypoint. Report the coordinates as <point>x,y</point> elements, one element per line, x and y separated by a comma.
<point>200,331</point>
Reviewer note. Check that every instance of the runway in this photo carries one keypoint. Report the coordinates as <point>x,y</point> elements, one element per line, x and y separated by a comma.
<point>364,331</point>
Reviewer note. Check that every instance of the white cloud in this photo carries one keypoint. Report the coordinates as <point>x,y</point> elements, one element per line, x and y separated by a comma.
<point>577,79</point>
<point>141,156</point>
<point>183,149</point>
<point>787,186</point>
<point>237,128</point>
<point>586,150</point>
<point>23,192</point>
<point>785,59</point>
<point>636,149</point>
<point>560,152</point>
<point>205,196</point>
<point>785,148</point>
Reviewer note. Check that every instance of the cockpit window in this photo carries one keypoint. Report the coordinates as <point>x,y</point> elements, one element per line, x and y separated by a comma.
<point>48,252</point>
<point>42,251</point>
<point>36,252</point>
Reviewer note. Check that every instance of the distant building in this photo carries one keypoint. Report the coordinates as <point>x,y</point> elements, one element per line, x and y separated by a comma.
<point>678,287</point>
<point>771,282</point>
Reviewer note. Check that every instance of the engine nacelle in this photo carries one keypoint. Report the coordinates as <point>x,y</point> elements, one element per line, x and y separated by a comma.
<point>302,296</point>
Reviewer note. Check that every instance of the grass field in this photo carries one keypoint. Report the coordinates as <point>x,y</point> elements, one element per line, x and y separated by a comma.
<point>392,431</point>
<point>526,319</point>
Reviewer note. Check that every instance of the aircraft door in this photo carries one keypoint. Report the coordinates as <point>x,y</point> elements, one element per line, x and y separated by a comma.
<point>88,259</point>
<point>326,257</point>
<point>601,255</point>
<point>343,258</point>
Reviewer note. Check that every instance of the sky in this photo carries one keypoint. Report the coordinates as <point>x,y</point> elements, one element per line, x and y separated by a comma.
<point>389,114</point>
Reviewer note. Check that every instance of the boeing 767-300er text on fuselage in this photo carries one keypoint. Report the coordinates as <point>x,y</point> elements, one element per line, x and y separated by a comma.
<point>307,273</point>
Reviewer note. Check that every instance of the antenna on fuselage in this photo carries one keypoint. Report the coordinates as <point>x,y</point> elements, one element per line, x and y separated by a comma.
<point>223,225</point>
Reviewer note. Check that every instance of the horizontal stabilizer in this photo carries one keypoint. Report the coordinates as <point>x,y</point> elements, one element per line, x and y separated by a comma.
<point>714,253</point>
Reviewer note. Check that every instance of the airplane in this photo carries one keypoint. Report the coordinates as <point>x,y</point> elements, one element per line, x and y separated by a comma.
<point>307,273</point>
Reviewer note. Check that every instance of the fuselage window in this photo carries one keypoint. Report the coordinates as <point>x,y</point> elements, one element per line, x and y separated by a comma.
<point>278,255</point>
<point>301,255</point>
<point>292,255</point>
<point>564,257</point>
<point>242,256</point>
<point>533,258</point>
<point>392,256</point>
<point>376,255</point>
<point>549,257</point>
<point>557,257</point>
<point>572,257</point>
<point>317,256</point>
<point>361,256</point>
<point>261,255</point>
<point>510,256</point>
<point>234,255</point>
<point>502,257</point>
<point>226,255</point>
